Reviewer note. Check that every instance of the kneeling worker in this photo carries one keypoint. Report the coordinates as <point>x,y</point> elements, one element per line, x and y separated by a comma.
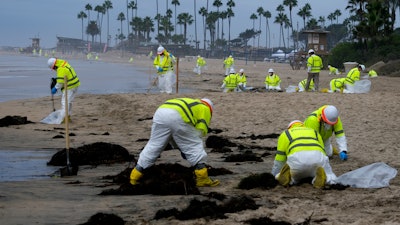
<point>300,154</point>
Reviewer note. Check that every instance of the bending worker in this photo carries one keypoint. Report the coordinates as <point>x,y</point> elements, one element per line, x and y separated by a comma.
<point>63,68</point>
<point>163,62</point>
<point>182,121</point>
<point>302,85</point>
<point>300,154</point>
<point>352,76</point>
<point>333,70</point>
<point>326,121</point>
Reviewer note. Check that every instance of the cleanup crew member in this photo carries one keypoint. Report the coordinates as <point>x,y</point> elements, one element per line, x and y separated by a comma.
<point>352,76</point>
<point>302,85</point>
<point>372,73</point>
<point>182,121</point>
<point>200,63</point>
<point>333,70</point>
<point>336,85</point>
<point>272,81</point>
<point>242,81</point>
<point>228,64</point>
<point>63,68</point>
<point>326,121</point>
<point>164,63</point>
<point>230,82</point>
<point>314,66</point>
<point>300,154</point>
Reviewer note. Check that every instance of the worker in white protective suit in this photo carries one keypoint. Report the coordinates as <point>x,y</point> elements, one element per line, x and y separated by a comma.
<point>326,121</point>
<point>164,63</point>
<point>300,154</point>
<point>183,122</point>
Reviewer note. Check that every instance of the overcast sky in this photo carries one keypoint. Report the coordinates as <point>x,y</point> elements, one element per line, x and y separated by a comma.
<point>21,20</point>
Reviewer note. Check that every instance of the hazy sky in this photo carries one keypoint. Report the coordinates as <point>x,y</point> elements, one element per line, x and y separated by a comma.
<point>21,20</point>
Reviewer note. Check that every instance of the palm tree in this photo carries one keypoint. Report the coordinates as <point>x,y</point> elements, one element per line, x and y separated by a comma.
<point>304,13</point>
<point>291,4</point>
<point>88,8</point>
<point>82,15</point>
<point>217,3</point>
<point>254,18</point>
<point>107,6</point>
<point>100,10</point>
<point>92,29</point>
<point>331,17</point>
<point>337,14</point>
<point>148,26</point>
<point>185,19</point>
<point>321,20</point>
<point>281,19</point>
<point>231,14</point>
<point>195,24</point>
<point>203,12</point>
<point>267,15</point>
<point>211,20</point>
<point>121,17</point>
<point>223,15</point>
<point>260,12</point>
<point>175,3</point>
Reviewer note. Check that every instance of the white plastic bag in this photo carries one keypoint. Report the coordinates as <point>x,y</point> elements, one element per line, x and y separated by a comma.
<point>362,86</point>
<point>55,117</point>
<point>375,175</point>
<point>291,89</point>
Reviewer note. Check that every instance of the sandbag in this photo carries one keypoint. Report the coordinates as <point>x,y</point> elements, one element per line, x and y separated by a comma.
<point>375,175</point>
<point>55,117</point>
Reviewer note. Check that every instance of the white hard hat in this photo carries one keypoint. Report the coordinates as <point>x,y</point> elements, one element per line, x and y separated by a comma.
<point>230,56</point>
<point>271,70</point>
<point>208,103</point>
<point>232,70</point>
<point>51,62</point>
<point>160,50</point>
<point>329,66</point>
<point>310,51</point>
<point>293,123</point>
<point>198,56</point>
<point>241,70</point>
<point>362,67</point>
<point>330,115</point>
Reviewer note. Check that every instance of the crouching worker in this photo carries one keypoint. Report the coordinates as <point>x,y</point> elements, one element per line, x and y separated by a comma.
<point>182,121</point>
<point>300,154</point>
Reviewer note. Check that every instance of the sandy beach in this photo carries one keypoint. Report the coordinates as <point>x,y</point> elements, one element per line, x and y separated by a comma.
<point>370,122</point>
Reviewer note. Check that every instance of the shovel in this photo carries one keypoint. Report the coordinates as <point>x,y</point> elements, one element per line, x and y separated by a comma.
<point>53,83</point>
<point>68,170</point>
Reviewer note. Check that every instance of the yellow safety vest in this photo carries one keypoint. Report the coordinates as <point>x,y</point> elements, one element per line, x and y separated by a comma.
<point>315,62</point>
<point>64,69</point>
<point>231,81</point>
<point>298,139</point>
<point>304,82</point>
<point>166,64</point>
<point>192,111</point>
<point>272,80</point>
<point>352,76</point>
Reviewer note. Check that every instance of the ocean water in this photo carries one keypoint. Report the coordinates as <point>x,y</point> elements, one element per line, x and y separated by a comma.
<point>25,77</point>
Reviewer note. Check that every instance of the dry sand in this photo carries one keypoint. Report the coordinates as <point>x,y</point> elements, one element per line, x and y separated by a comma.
<point>370,121</point>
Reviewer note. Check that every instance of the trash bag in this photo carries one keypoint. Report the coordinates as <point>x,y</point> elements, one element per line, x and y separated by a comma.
<point>291,89</point>
<point>55,117</point>
<point>375,175</point>
<point>362,86</point>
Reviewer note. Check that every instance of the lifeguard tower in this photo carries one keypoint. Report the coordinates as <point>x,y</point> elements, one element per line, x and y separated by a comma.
<point>316,40</point>
<point>35,43</point>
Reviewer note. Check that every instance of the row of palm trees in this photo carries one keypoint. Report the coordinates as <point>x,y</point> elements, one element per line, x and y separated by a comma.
<point>213,21</point>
